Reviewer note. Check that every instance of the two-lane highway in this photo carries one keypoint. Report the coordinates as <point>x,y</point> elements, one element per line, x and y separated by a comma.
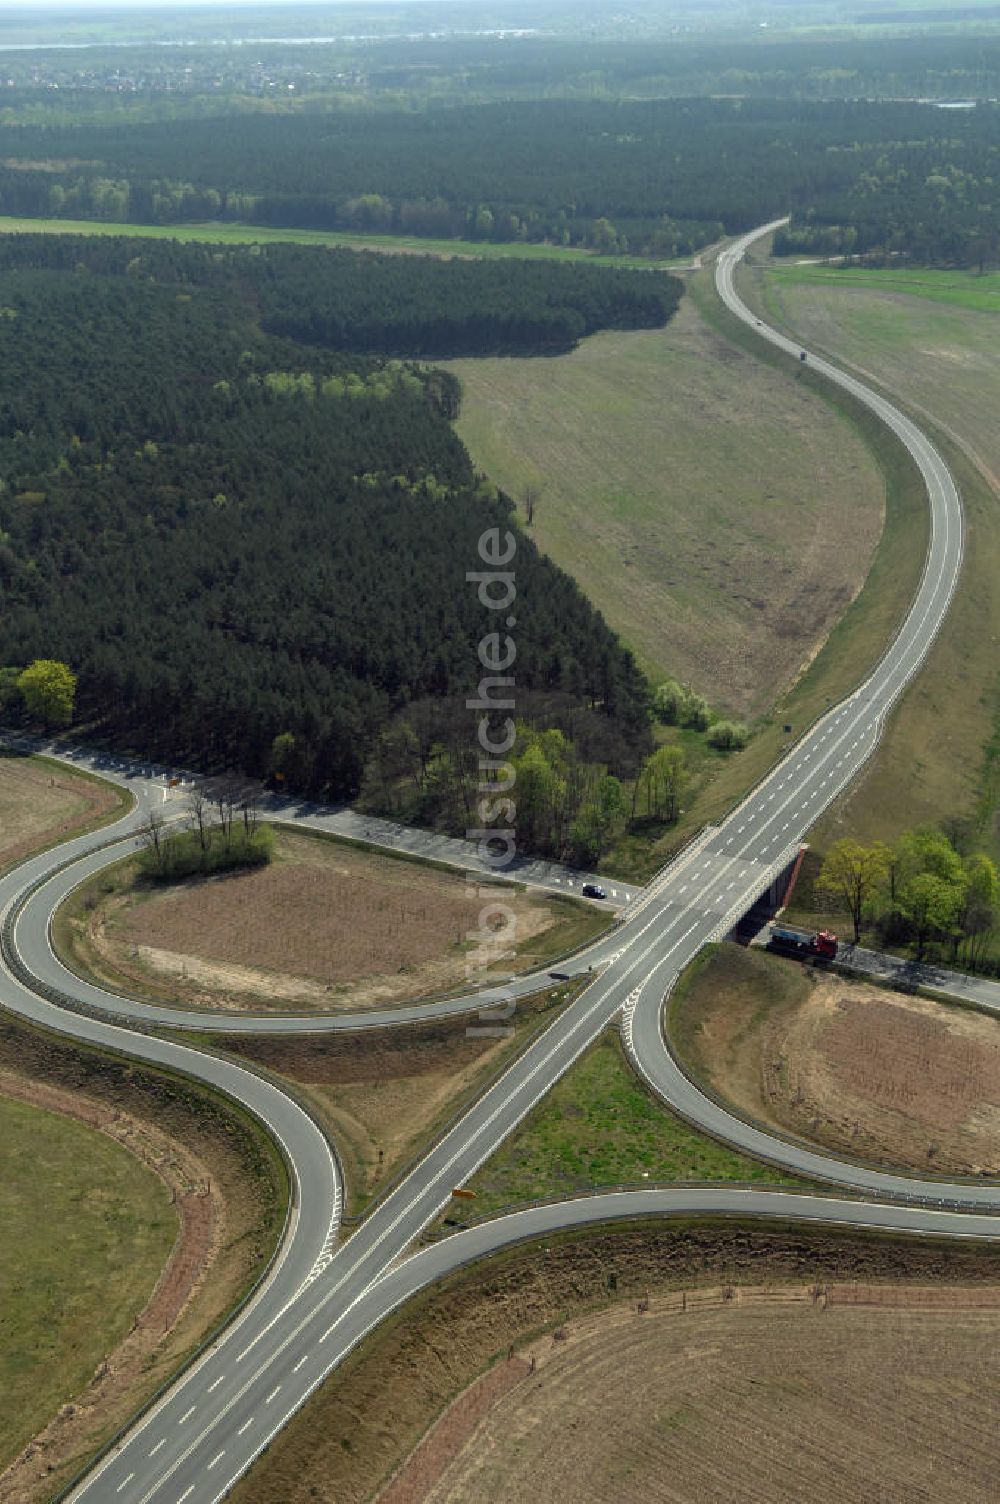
<point>321,1298</point>
<point>819,767</point>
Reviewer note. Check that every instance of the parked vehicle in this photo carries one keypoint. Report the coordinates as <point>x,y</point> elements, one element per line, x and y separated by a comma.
<point>591,890</point>
<point>822,945</point>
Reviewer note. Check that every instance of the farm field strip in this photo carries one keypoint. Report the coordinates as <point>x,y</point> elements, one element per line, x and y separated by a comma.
<point>802,1375</point>
<point>246,234</point>
<point>652,458</point>
<point>977,291</point>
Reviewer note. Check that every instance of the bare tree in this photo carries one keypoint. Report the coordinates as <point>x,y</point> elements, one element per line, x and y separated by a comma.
<point>151,834</point>
<point>199,817</point>
<point>248,809</point>
<point>227,801</point>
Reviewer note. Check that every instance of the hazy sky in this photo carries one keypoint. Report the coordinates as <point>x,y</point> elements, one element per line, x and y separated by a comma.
<point>99,6</point>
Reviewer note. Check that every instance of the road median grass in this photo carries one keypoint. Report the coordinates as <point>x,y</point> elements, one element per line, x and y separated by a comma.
<point>599,1127</point>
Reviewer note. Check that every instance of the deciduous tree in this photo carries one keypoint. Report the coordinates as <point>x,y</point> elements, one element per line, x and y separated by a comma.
<point>851,874</point>
<point>48,689</point>
<point>932,906</point>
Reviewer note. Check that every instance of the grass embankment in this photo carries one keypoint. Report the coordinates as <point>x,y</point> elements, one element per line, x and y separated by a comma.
<point>327,926</point>
<point>940,755</point>
<point>864,631</point>
<point>42,802</point>
<point>383,1094</point>
<point>654,458</point>
<point>732,375</point>
<point>962,289</point>
<point>243,234</point>
<point>904,1082</point>
<point>358,1428</point>
<point>81,1217</point>
<point>86,1212</point>
<point>599,1127</point>
<point>227,1181</point>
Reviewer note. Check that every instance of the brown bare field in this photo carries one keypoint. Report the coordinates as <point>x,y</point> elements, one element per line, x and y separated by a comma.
<point>353,1436</point>
<point>766,1397</point>
<point>653,455</point>
<point>229,1188</point>
<point>326,926</point>
<point>382,1092</point>
<point>42,803</point>
<point>899,1080</point>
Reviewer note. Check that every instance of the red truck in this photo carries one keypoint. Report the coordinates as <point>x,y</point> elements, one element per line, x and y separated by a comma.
<point>822,944</point>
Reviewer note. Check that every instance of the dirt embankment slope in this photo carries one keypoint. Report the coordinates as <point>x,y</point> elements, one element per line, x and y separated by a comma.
<point>767,1396</point>
<point>41,802</point>
<point>900,1080</point>
<point>229,1186</point>
<point>355,1433</point>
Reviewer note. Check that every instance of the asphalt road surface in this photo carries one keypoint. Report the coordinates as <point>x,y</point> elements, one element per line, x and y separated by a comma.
<point>320,1299</point>
<point>166,786</point>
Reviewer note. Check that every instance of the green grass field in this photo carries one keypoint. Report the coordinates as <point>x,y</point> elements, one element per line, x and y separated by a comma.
<point>242,234</point>
<point>87,1230</point>
<point>599,1127</point>
<point>940,757</point>
<point>653,454</point>
<point>962,289</point>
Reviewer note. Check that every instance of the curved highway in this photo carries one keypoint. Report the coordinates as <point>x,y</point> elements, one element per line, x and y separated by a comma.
<point>321,1298</point>
<point>31,937</point>
<point>790,799</point>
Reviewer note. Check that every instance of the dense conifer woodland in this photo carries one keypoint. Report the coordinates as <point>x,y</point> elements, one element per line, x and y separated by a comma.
<point>253,550</point>
<point>652,177</point>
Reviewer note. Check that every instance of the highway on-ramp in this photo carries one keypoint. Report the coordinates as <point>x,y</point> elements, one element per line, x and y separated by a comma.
<point>321,1298</point>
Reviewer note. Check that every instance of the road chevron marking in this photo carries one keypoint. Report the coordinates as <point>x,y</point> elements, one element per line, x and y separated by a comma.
<point>628,1009</point>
